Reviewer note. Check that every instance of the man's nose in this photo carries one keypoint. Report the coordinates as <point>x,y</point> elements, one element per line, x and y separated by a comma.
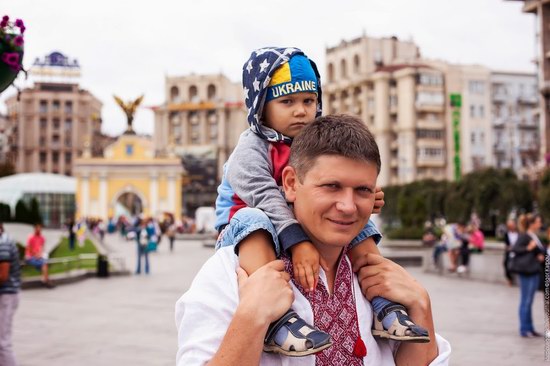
<point>346,202</point>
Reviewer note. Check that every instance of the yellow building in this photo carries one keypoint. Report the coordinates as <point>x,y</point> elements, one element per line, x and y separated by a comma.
<point>128,180</point>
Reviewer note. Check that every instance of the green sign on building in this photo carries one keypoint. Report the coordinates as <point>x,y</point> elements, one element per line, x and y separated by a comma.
<point>456,104</point>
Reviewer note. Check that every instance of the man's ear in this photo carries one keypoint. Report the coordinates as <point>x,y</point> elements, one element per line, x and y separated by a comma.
<point>289,183</point>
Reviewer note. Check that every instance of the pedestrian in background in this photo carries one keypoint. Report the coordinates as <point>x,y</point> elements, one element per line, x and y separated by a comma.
<point>10,283</point>
<point>528,254</point>
<point>35,256</point>
<point>510,237</point>
<point>142,240</point>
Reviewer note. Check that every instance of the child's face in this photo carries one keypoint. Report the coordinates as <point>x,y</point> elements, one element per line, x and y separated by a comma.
<point>290,113</point>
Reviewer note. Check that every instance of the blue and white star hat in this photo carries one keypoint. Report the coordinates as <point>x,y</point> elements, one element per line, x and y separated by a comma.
<point>258,72</point>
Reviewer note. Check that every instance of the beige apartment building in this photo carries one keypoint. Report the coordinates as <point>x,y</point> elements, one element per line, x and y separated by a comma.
<point>201,121</point>
<point>405,101</point>
<point>50,125</point>
<point>401,99</point>
<point>541,9</point>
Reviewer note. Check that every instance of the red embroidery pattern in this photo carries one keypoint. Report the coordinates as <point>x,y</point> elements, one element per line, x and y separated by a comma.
<point>336,315</point>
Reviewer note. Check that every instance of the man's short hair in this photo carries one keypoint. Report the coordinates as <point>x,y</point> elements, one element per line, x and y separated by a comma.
<point>340,135</point>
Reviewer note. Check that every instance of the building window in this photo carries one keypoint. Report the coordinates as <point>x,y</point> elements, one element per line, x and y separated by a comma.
<point>174,94</point>
<point>481,111</point>
<point>68,107</point>
<point>330,72</point>
<point>68,157</point>
<point>56,106</point>
<point>56,123</point>
<point>43,106</point>
<point>193,94</point>
<point>343,69</point>
<point>129,150</point>
<point>55,157</point>
<point>430,79</point>
<point>68,124</point>
<point>195,135</point>
<point>356,64</point>
<point>472,111</point>
<point>43,158</point>
<point>476,87</point>
<point>193,118</point>
<point>43,125</point>
<point>473,137</point>
<point>211,92</point>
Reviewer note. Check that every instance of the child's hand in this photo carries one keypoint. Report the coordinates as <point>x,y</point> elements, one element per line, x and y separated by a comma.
<point>306,261</point>
<point>378,200</point>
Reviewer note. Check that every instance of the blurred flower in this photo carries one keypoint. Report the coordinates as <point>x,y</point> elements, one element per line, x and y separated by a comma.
<point>11,42</point>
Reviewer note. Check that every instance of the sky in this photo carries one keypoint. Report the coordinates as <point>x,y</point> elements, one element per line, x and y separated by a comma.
<point>128,47</point>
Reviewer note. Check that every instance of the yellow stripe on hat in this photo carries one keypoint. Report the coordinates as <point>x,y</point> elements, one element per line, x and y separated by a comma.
<point>281,75</point>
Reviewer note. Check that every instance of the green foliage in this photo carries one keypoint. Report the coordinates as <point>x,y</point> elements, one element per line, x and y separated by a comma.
<point>21,212</point>
<point>544,195</point>
<point>5,212</point>
<point>491,193</point>
<point>405,233</point>
<point>34,212</point>
<point>6,169</point>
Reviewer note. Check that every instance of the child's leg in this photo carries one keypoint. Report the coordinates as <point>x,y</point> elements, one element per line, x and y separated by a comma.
<point>390,319</point>
<point>255,240</point>
<point>256,250</point>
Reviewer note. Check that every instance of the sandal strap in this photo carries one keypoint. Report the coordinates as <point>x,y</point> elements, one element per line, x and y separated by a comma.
<point>275,326</point>
<point>390,309</point>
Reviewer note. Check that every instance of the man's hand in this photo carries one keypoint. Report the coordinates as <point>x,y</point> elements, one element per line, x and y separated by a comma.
<point>268,285</point>
<point>378,200</point>
<point>306,261</point>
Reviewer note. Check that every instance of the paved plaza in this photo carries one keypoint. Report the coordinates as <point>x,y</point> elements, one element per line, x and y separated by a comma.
<point>129,320</point>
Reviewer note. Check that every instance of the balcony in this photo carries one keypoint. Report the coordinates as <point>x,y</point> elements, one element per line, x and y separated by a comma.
<point>430,161</point>
<point>528,99</point>
<point>425,106</point>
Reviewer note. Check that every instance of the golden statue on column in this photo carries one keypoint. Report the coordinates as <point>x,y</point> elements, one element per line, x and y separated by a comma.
<point>129,109</point>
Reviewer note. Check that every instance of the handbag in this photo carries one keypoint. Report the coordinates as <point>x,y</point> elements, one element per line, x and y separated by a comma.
<point>523,263</point>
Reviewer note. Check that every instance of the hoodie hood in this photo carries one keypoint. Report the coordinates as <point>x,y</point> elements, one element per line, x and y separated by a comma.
<point>257,74</point>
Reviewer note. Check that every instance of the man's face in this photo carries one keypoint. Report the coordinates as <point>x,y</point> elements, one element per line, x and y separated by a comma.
<point>290,113</point>
<point>335,199</point>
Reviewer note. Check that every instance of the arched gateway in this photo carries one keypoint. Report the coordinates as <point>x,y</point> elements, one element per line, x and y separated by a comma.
<point>128,180</point>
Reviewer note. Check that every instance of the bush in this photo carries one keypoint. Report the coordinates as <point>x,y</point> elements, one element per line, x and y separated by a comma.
<point>405,233</point>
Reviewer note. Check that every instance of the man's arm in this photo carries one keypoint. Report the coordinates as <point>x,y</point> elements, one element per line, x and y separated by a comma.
<point>223,322</point>
<point>379,276</point>
<point>264,297</point>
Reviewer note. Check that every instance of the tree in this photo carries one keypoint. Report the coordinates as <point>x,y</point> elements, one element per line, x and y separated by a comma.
<point>544,195</point>
<point>5,212</point>
<point>6,169</point>
<point>34,212</point>
<point>21,212</point>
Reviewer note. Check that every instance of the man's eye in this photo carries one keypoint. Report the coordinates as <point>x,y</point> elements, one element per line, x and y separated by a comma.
<point>365,190</point>
<point>331,185</point>
<point>309,101</point>
<point>286,101</point>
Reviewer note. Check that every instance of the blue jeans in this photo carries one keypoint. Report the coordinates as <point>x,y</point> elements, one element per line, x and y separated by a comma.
<point>528,287</point>
<point>142,252</point>
<point>248,220</point>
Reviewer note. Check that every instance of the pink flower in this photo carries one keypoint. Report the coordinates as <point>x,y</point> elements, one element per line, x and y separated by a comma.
<point>19,23</point>
<point>22,29</point>
<point>18,41</point>
<point>11,59</point>
<point>5,18</point>
<point>3,24</point>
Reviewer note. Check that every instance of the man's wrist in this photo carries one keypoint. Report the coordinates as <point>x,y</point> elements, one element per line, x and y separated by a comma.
<point>253,317</point>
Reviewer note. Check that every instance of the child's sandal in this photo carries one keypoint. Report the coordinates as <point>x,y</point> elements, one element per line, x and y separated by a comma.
<point>301,339</point>
<point>403,328</point>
